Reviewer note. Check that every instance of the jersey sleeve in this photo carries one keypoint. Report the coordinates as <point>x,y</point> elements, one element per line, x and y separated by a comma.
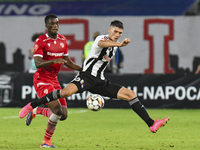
<point>98,38</point>
<point>38,47</point>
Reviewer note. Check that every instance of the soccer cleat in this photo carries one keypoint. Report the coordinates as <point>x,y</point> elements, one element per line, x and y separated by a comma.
<point>157,124</point>
<point>29,118</point>
<point>47,144</point>
<point>25,110</point>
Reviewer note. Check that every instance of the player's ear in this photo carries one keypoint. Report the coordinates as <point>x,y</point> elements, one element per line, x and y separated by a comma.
<point>46,25</point>
<point>109,30</point>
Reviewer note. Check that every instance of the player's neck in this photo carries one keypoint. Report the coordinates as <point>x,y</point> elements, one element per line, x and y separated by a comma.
<point>53,36</point>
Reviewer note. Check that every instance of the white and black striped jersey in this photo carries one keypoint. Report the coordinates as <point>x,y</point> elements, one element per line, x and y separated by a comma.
<point>98,58</point>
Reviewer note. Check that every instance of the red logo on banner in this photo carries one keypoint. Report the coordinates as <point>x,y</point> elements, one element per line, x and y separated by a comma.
<point>75,44</point>
<point>165,47</point>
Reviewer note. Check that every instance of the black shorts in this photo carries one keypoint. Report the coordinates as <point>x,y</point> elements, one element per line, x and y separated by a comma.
<point>86,82</point>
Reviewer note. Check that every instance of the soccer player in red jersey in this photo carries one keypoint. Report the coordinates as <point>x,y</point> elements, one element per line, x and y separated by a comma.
<point>50,51</point>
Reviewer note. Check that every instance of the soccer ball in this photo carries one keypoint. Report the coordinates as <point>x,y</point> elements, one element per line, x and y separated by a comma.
<point>95,102</point>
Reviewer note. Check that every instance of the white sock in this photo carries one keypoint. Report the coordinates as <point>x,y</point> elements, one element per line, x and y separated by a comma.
<point>34,110</point>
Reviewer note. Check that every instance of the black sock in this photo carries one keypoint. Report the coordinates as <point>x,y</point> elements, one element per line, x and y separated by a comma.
<point>47,98</point>
<point>141,111</point>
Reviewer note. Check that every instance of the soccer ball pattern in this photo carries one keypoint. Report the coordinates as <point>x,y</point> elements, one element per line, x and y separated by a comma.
<point>95,102</point>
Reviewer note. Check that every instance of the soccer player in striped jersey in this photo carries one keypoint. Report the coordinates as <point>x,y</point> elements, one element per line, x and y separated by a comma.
<point>91,78</point>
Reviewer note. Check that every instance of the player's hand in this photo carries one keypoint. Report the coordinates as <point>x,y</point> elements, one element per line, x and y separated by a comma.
<point>59,61</point>
<point>64,61</point>
<point>125,42</point>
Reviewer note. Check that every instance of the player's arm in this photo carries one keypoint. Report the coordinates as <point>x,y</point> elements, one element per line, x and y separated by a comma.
<point>69,63</point>
<point>109,43</point>
<point>40,63</point>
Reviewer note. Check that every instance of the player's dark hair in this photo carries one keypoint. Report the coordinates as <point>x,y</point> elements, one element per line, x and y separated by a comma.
<point>46,19</point>
<point>117,23</point>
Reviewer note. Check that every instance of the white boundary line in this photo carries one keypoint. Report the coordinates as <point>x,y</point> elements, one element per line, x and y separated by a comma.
<point>70,112</point>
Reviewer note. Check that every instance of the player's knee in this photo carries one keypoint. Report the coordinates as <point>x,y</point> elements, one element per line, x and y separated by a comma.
<point>65,93</point>
<point>126,94</point>
<point>131,95</point>
<point>58,111</point>
<point>69,90</point>
<point>64,114</point>
<point>134,94</point>
<point>63,117</point>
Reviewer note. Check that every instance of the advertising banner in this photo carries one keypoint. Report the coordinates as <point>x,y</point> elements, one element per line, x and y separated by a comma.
<point>95,7</point>
<point>154,91</point>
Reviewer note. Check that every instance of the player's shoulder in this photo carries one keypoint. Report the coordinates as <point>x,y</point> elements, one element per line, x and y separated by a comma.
<point>61,37</point>
<point>41,38</point>
<point>103,37</point>
<point>106,37</point>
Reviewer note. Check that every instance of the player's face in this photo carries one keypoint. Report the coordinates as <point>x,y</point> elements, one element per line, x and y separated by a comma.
<point>115,33</point>
<point>52,26</point>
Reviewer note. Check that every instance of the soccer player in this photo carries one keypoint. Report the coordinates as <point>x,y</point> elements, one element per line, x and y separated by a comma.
<point>50,51</point>
<point>91,78</point>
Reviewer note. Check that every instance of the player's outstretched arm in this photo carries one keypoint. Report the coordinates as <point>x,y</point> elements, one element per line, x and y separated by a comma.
<point>109,43</point>
<point>69,63</point>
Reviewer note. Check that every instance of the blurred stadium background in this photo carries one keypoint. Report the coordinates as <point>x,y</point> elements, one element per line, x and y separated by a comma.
<point>160,62</point>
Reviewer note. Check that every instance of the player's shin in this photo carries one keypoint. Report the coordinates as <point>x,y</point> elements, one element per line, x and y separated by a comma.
<point>141,111</point>
<point>47,98</point>
<point>51,126</point>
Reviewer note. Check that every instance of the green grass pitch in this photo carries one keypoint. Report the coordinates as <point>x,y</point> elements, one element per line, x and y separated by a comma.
<point>107,129</point>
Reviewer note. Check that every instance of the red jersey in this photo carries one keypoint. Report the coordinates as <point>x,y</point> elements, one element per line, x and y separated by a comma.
<point>48,49</point>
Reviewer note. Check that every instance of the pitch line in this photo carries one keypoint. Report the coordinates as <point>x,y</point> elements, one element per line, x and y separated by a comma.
<point>70,112</point>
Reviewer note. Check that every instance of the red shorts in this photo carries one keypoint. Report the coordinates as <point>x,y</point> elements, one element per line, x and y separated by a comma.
<point>43,86</point>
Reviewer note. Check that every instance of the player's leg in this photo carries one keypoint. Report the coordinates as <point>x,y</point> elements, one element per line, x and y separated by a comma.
<point>62,102</point>
<point>73,87</point>
<point>42,111</point>
<point>57,107</point>
<point>54,95</point>
<point>47,112</point>
<point>120,92</point>
<point>64,109</point>
<point>42,87</point>
<point>57,112</point>
<point>38,111</point>
<point>70,89</point>
<point>136,105</point>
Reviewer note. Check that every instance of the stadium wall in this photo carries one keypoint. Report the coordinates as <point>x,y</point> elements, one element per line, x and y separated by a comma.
<point>154,91</point>
<point>158,44</point>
